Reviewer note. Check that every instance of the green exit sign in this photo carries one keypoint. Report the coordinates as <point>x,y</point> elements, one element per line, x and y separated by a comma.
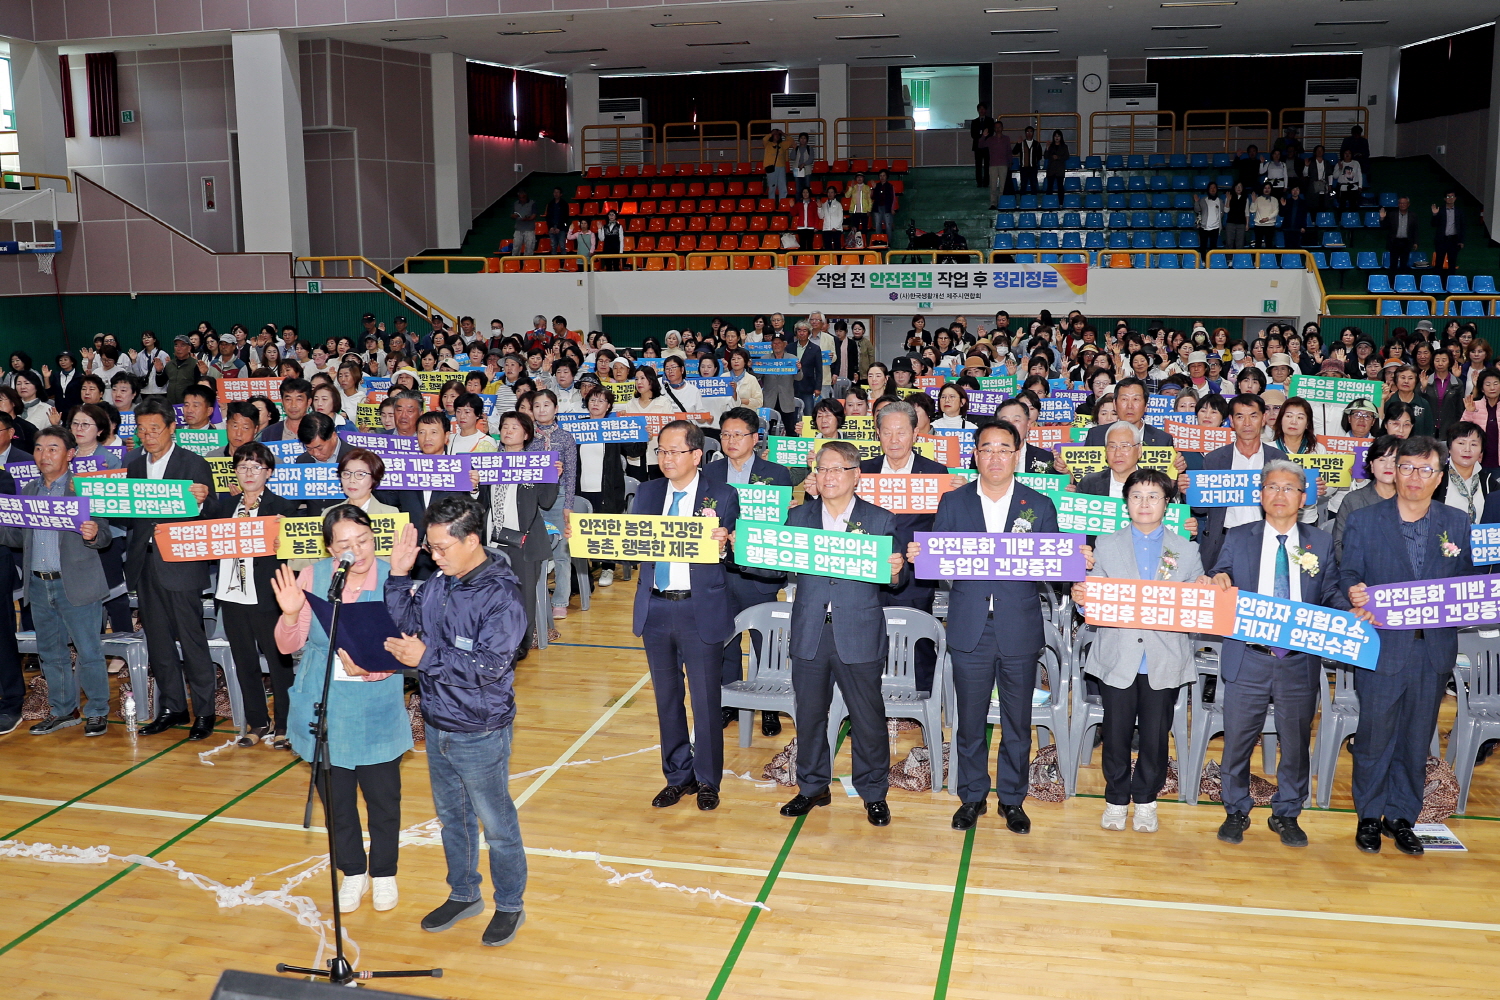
<point>1268,306</point>
<point>314,287</point>
<point>924,305</point>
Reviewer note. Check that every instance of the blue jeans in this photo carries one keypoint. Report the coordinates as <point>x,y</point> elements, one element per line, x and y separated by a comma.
<point>470,777</point>
<point>57,620</point>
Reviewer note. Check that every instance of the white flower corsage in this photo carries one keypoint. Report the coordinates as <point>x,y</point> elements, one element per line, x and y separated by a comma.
<point>1023,521</point>
<point>710,508</point>
<point>1306,560</point>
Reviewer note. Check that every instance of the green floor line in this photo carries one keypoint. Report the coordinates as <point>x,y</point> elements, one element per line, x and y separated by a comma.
<point>765,891</point>
<point>955,915</point>
<point>91,791</point>
<point>130,868</point>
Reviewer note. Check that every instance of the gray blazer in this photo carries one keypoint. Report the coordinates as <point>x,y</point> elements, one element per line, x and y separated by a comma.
<point>1355,499</point>
<point>1117,651</point>
<point>778,393</point>
<point>82,573</point>
<point>858,618</point>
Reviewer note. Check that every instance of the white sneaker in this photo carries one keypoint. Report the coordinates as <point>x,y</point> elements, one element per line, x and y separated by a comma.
<point>351,890</point>
<point>1114,817</point>
<point>606,578</point>
<point>384,893</point>
<point>1145,817</point>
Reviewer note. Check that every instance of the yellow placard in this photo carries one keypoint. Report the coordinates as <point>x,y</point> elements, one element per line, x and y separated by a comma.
<point>1083,459</point>
<point>1337,470</point>
<point>854,429</point>
<point>622,391</point>
<point>302,537</point>
<point>434,381</point>
<point>367,416</point>
<point>645,537</point>
<point>223,470</point>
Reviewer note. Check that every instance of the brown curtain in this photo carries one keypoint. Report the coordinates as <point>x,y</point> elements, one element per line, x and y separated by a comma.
<point>541,106</point>
<point>104,94</point>
<point>67,97</point>
<point>492,109</point>
<point>737,97</point>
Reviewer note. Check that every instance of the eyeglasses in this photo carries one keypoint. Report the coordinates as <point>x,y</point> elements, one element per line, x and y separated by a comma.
<point>1424,471</point>
<point>1282,489</point>
<point>355,474</point>
<point>733,436</point>
<point>675,451</point>
<point>83,425</point>
<point>1147,497</point>
<point>250,468</point>
<point>998,449</point>
<point>828,470</point>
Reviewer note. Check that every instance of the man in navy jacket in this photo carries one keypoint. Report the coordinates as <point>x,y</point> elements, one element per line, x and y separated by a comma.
<point>1247,415</point>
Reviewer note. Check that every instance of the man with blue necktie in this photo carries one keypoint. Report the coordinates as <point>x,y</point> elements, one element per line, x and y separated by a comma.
<point>1280,557</point>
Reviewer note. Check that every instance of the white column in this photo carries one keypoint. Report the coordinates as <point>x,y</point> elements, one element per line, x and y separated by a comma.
<point>273,172</point>
<point>450,144</point>
<point>37,83</point>
<point>1492,153</point>
<point>583,109</point>
<point>833,96</point>
<point>1093,101</point>
<point>1380,69</point>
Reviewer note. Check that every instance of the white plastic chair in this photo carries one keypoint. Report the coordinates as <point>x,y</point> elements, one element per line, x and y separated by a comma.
<point>1478,716</point>
<point>768,683</point>
<point>1338,719</point>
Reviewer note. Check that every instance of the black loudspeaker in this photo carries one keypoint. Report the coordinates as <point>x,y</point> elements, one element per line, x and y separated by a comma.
<point>236,985</point>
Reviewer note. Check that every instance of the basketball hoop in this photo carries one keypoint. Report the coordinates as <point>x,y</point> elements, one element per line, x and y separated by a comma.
<point>44,262</point>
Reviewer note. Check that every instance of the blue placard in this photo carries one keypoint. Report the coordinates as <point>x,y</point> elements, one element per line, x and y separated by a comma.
<point>610,430</point>
<point>654,363</point>
<point>285,451</point>
<point>946,373</point>
<point>828,357</point>
<point>127,425</point>
<point>1235,487</point>
<point>307,481</point>
<point>778,366</point>
<point>1056,410</point>
<point>710,387</point>
<point>1158,403</point>
<point>1305,628</point>
<point>1484,540</point>
<point>759,348</point>
<point>216,419</point>
<point>373,383</point>
<point>1059,383</point>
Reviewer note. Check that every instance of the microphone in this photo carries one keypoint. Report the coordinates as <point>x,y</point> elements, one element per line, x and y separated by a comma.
<point>341,573</point>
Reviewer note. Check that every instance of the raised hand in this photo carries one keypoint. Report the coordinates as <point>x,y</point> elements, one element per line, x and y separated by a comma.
<point>404,553</point>
<point>289,594</point>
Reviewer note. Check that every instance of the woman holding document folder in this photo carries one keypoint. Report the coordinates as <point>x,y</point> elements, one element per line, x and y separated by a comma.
<point>368,728</point>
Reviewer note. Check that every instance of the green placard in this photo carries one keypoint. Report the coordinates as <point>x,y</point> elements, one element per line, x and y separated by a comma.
<point>1342,391</point>
<point>764,503</point>
<point>1043,482</point>
<point>998,383</point>
<point>845,555</point>
<point>159,498</point>
<point>1095,515</point>
<point>203,442</point>
<point>789,451</point>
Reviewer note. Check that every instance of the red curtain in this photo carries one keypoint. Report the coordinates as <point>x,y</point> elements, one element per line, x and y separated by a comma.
<point>492,109</point>
<point>104,94</point>
<point>67,97</point>
<point>541,106</point>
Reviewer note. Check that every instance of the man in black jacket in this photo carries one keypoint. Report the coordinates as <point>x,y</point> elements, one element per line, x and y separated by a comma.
<point>980,130</point>
<point>1028,153</point>
<point>1447,234</point>
<point>1400,236</point>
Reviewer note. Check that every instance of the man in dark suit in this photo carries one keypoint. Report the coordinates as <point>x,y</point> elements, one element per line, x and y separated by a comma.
<point>12,681</point>
<point>1017,411</point>
<point>1447,234</point>
<point>170,597</point>
<point>1247,416</point>
<point>683,615</point>
<point>838,637</point>
<point>1400,236</point>
<point>1130,408</point>
<point>320,439</point>
<point>296,403</point>
<point>809,384</point>
<point>1407,537</point>
<point>739,431</point>
<point>979,613</point>
<point>1294,561</point>
<point>10,447</point>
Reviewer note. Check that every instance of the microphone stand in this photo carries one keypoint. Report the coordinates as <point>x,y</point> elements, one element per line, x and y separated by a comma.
<point>339,971</point>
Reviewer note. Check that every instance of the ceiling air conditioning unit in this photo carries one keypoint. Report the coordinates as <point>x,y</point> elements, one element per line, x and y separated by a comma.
<point>1339,111</point>
<point>788,106</point>
<point>1134,134</point>
<point>627,145</point>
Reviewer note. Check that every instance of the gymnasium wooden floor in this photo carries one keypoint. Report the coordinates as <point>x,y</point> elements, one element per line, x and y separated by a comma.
<point>914,910</point>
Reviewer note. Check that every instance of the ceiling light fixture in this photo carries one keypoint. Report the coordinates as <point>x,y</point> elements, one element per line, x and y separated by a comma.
<point>565,52</point>
<point>893,55</point>
<point>1336,24</point>
<point>535,31</point>
<point>416,38</point>
<point>682,24</point>
<point>1028,52</point>
<point>707,45</point>
<point>1185,27</point>
<point>861,38</point>
<point>1025,31</point>
<point>840,17</point>
<point>1202,3</point>
<point>1174,48</point>
<point>1017,10</point>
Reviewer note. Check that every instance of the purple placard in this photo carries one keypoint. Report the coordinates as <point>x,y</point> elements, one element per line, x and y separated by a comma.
<point>444,473</point>
<point>25,472</point>
<point>1360,451</point>
<point>1452,602</point>
<point>43,513</point>
<point>514,466</point>
<point>214,421</point>
<point>976,555</point>
<point>982,402</point>
<point>381,443</point>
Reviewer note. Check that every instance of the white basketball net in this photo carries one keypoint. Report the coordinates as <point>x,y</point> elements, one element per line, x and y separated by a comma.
<point>44,262</point>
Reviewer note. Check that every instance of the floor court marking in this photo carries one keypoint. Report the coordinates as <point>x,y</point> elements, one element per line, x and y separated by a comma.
<point>588,734</point>
<point>82,795</point>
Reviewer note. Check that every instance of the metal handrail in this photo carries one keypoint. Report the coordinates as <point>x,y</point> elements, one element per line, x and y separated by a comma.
<point>1309,262</point>
<point>758,128</point>
<point>37,178</point>
<point>1378,299</point>
<point>610,143</point>
<point>1228,135</point>
<point>545,258</point>
<point>777,261</point>
<point>671,259</point>
<point>379,280</point>
<point>1132,133</point>
<point>1491,299</point>
<point>898,143</point>
<point>1339,128</point>
<point>445,261</point>
<point>930,256</point>
<point>1150,255</point>
<point>706,143</point>
<point>830,257</point>
<point>1043,122</point>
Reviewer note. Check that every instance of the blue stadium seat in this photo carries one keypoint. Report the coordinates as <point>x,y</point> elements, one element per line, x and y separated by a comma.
<point>1325,220</point>
<point>1418,260</point>
<point>1200,182</point>
<point>1006,203</point>
<point>1389,199</point>
<point>1117,202</point>
<point>1072,241</point>
<point>1139,200</point>
<point>1188,239</point>
<point>1222,160</point>
<point>1182,202</point>
<point>1049,241</point>
<point>1050,220</point>
<point>1072,183</point>
<point>1367,260</point>
<point>1269,262</point>
<point>1244,262</point>
<point>1320,261</point>
<point>1378,284</point>
<point>1028,203</point>
<point>1166,241</point>
<point>1339,261</point>
<point>1005,220</point>
<point>1199,161</point>
<point>1073,258</point>
<point>1406,284</point>
<point>1073,163</point>
<point>1140,220</point>
<point>1181,183</point>
<point>1119,220</point>
<point>1391,307</point>
<point>1333,238</point>
<point>1026,220</point>
<point>1050,203</point>
<point>1093,202</point>
<point>1431,285</point>
<point>1005,241</point>
<point>1418,307</point>
<point>1092,184</point>
<point>1156,161</point>
<point>1471,307</point>
<point>1049,258</point>
<point>1093,220</point>
<point>1025,258</point>
<point>1119,241</point>
<point>1372,220</point>
<point>1135,161</point>
<point>1114,162</point>
<point>1072,202</point>
<point>1093,163</point>
<point>1135,183</point>
<point>1161,201</point>
<point>1293,262</point>
<point>1114,184</point>
<point>1186,220</point>
<point>1169,261</point>
<point>1026,241</point>
<point>1093,240</point>
<point>1349,220</point>
<point>1218,263</point>
<point>1178,161</point>
<point>1484,284</point>
<point>1072,220</point>
<point>1458,284</point>
<point>1140,241</point>
<point>1138,260</point>
<point>1278,240</point>
<point>1162,220</point>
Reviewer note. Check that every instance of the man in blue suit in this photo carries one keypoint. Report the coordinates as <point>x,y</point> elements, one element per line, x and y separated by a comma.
<point>739,432</point>
<point>838,637</point>
<point>1247,415</point>
<point>1285,559</point>
<point>1407,537</point>
<point>684,616</point>
<point>979,613</point>
<point>809,351</point>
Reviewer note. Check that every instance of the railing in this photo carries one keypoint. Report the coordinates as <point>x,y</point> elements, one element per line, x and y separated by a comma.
<point>730,260</point>
<point>1127,132</point>
<point>618,145</point>
<point>1492,300</point>
<point>1327,127</point>
<point>1068,122</point>
<point>757,130</point>
<point>362,268</point>
<point>10,149</point>
<point>696,142</point>
<point>1226,130</point>
<point>541,263</point>
<point>931,256</point>
<point>1187,259</point>
<point>875,138</point>
<point>637,261</point>
<point>36,179</point>
<point>1379,301</point>
<point>1309,262</point>
<point>447,262</point>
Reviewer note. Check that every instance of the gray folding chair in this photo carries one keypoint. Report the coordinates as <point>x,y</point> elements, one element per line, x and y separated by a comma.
<point>767,686</point>
<point>1208,722</point>
<point>582,582</point>
<point>905,627</point>
<point>1478,716</point>
<point>1088,714</point>
<point>627,569</point>
<point>1338,719</point>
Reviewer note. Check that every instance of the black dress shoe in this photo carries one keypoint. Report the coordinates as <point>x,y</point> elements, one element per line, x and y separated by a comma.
<point>878,813</point>
<point>1407,841</point>
<point>203,725</point>
<point>1232,830</point>
<point>163,722</point>
<point>728,716</point>
<point>1016,820</point>
<point>801,805</point>
<point>708,798</point>
<point>968,814</point>
<point>672,794</point>
<point>1287,829</point>
<point>770,724</point>
<point>1367,836</point>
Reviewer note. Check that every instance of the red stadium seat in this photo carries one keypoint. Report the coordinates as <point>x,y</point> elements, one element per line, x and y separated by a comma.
<point>612,171</point>
<point>667,207</point>
<point>582,192</point>
<point>594,172</point>
<point>636,225</point>
<point>658,224</point>
<point>717,223</point>
<point>619,191</point>
<point>735,188</point>
<point>726,205</point>
<point>649,170</point>
<point>723,168</point>
<point>758,223</point>
<point>745,205</point>
<point>899,167</point>
<point>695,189</point>
<point>859,166</point>
<point>697,224</point>
<point>704,170</point>
<point>645,208</point>
<point>748,168</point>
<point>687,243</point>
<point>658,190</point>
<point>780,223</point>
<point>630,170</point>
<point>677,224</point>
<point>715,188</point>
<point>676,189</point>
<point>820,166</point>
<point>738,224</point>
<point>687,206</point>
<point>639,190</point>
<point>755,188</point>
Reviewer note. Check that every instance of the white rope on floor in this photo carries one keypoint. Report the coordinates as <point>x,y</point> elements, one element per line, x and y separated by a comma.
<point>203,757</point>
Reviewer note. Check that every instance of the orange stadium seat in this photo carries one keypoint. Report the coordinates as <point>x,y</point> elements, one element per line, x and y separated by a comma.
<point>780,223</point>
<point>741,262</point>
<point>666,244</point>
<point>737,223</point>
<point>531,265</point>
<point>510,266</point>
<point>746,205</point>
<point>645,243</point>
<point>646,207</point>
<point>763,262</point>
<point>758,223</point>
<point>636,225</point>
<point>770,241</point>
<point>697,263</point>
<point>718,263</point>
<point>697,224</point>
<point>717,224</point>
<point>655,263</point>
<point>676,224</point>
<point>687,243</point>
<point>658,224</point>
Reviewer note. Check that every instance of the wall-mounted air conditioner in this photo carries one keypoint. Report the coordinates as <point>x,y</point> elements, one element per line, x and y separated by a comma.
<point>785,106</point>
<point>1132,135</point>
<point>629,144</point>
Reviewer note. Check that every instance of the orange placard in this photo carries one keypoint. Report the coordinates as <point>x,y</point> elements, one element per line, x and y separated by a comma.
<point>1049,436</point>
<point>235,390</point>
<point>945,450</point>
<point>1159,606</point>
<point>120,473</point>
<point>1192,437</point>
<point>1337,445</point>
<point>656,421</point>
<point>904,493</point>
<point>226,538</point>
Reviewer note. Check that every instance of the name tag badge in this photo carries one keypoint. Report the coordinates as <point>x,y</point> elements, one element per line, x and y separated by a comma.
<point>467,645</point>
